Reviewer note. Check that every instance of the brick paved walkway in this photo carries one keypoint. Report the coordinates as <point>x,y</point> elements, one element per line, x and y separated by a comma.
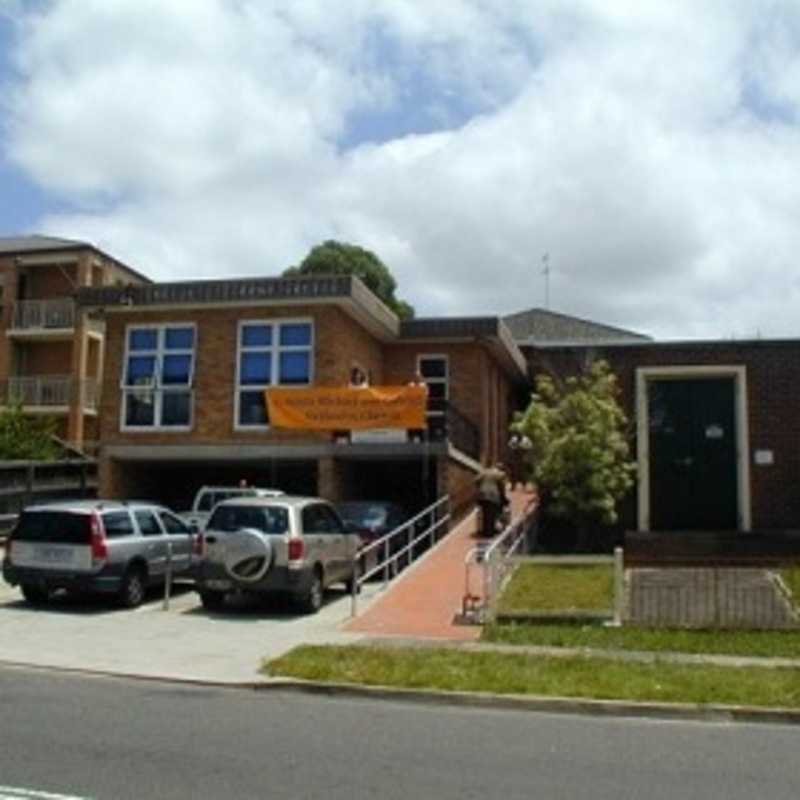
<point>724,597</point>
<point>424,601</point>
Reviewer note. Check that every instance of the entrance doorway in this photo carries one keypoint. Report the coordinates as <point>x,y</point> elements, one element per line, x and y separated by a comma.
<point>692,450</point>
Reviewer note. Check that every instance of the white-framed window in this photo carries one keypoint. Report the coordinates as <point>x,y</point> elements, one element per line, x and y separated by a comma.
<point>435,370</point>
<point>157,376</point>
<point>270,353</point>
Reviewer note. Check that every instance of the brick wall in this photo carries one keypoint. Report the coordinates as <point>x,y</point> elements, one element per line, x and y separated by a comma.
<point>338,342</point>
<point>45,358</point>
<point>478,388</point>
<point>50,282</point>
<point>772,377</point>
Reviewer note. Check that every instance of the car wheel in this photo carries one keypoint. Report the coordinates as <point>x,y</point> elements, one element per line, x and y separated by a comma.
<point>311,601</point>
<point>35,593</point>
<point>132,590</point>
<point>212,601</point>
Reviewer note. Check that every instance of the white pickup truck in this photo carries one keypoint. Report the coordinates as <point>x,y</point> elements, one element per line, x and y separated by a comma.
<point>208,496</point>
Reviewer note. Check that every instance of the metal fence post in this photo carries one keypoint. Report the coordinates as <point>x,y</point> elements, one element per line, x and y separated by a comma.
<point>354,589</point>
<point>168,578</point>
<point>619,586</point>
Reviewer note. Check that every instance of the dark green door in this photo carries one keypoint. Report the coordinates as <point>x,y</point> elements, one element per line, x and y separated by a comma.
<point>692,454</point>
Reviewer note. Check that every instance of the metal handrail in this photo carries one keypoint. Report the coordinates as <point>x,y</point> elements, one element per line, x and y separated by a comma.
<point>390,559</point>
<point>495,560</point>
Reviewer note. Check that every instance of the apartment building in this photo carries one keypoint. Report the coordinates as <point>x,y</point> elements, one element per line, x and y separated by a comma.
<point>51,353</point>
<point>186,366</point>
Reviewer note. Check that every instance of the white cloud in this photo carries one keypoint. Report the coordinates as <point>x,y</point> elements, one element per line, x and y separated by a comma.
<point>650,149</point>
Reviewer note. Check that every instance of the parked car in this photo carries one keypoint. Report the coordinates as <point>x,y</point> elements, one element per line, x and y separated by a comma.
<point>97,546</point>
<point>372,520</point>
<point>266,545</point>
<point>207,497</point>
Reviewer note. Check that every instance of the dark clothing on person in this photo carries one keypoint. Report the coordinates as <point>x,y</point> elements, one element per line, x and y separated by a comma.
<point>491,498</point>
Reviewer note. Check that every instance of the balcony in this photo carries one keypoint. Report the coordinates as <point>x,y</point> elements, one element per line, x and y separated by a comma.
<point>49,393</point>
<point>51,319</point>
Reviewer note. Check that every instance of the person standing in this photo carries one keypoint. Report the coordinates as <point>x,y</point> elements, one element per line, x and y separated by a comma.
<point>491,484</point>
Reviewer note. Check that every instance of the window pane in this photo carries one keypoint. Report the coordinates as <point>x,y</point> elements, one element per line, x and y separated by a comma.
<point>176,370</point>
<point>179,339</point>
<point>148,524</point>
<point>295,334</point>
<point>256,335</point>
<point>143,339</point>
<point>117,523</point>
<point>176,408</point>
<point>295,368</point>
<point>139,409</point>
<point>252,409</point>
<point>433,367</point>
<point>255,369</point>
<point>437,391</point>
<point>171,523</point>
<point>141,370</point>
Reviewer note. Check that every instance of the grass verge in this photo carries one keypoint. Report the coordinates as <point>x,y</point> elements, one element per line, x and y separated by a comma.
<point>562,587</point>
<point>775,644</point>
<point>501,673</point>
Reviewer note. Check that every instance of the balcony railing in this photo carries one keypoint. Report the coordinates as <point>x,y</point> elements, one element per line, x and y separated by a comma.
<point>44,314</point>
<point>49,391</point>
<point>447,423</point>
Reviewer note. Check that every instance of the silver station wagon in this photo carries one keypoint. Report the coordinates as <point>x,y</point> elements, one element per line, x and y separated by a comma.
<point>283,545</point>
<point>103,546</point>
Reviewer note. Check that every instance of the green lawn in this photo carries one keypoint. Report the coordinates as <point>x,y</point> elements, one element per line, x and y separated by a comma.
<point>545,587</point>
<point>454,670</point>
<point>785,644</point>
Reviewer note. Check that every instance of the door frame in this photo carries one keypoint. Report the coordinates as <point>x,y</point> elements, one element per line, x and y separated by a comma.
<point>739,374</point>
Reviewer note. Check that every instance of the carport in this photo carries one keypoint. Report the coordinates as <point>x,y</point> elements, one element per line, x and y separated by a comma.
<point>172,475</point>
<point>407,474</point>
<point>411,482</point>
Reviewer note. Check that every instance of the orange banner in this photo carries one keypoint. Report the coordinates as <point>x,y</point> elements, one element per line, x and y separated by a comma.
<point>325,408</point>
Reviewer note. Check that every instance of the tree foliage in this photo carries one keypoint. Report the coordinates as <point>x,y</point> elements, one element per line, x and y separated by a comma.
<point>25,438</point>
<point>340,258</point>
<point>580,451</point>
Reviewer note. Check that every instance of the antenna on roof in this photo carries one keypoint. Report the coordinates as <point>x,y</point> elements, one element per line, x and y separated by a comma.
<point>546,273</point>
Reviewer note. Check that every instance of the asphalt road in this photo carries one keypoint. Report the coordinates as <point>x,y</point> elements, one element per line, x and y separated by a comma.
<point>109,738</point>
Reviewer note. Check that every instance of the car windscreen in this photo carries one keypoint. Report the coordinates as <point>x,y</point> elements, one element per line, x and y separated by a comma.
<point>62,527</point>
<point>267,519</point>
<point>367,515</point>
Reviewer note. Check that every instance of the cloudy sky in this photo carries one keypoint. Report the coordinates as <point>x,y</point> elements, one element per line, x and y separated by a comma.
<point>652,149</point>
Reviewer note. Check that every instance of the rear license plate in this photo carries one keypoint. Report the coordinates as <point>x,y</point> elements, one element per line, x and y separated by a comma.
<point>53,555</point>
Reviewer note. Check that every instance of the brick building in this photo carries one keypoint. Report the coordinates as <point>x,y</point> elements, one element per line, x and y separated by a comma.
<point>715,428</point>
<point>51,353</point>
<point>169,379</point>
<point>186,365</point>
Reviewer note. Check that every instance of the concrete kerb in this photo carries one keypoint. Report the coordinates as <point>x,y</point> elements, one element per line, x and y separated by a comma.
<point>476,700</point>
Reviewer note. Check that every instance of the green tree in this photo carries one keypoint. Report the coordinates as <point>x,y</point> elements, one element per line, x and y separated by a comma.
<point>340,258</point>
<point>580,454</point>
<point>24,438</point>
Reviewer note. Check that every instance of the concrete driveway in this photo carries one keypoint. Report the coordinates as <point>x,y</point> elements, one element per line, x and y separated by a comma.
<point>185,642</point>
